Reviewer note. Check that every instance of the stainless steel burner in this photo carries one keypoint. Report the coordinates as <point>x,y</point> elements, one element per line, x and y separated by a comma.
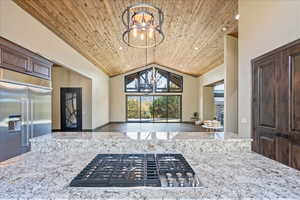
<point>130,170</point>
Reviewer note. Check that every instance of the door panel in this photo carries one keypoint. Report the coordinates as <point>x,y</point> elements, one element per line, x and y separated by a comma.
<point>295,156</point>
<point>294,66</point>
<point>265,104</point>
<point>282,150</point>
<point>40,107</point>
<point>267,93</point>
<point>14,135</point>
<point>267,146</point>
<point>71,109</point>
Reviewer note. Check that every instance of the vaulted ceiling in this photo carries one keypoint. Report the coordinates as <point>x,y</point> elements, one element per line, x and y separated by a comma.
<point>193,30</point>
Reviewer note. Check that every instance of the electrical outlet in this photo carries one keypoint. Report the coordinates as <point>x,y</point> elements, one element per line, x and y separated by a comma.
<point>244,120</point>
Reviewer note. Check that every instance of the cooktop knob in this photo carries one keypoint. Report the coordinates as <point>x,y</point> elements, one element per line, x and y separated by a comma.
<point>179,175</point>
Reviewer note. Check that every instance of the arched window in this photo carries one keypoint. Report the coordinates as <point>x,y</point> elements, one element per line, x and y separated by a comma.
<point>159,80</point>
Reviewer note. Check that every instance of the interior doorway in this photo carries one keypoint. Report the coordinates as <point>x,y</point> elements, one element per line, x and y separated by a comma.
<point>71,109</point>
<point>213,102</point>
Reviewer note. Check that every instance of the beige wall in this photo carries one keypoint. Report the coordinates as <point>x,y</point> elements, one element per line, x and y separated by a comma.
<point>63,77</point>
<point>209,110</point>
<point>19,27</point>
<point>263,26</point>
<point>231,84</point>
<point>118,104</point>
<point>213,76</point>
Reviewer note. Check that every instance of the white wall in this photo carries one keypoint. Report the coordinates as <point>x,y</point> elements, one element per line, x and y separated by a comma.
<point>213,76</point>
<point>18,26</point>
<point>118,103</point>
<point>263,26</point>
<point>209,110</point>
<point>231,84</point>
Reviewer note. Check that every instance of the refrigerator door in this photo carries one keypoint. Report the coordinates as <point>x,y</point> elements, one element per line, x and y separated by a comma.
<point>14,124</point>
<point>40,111</point>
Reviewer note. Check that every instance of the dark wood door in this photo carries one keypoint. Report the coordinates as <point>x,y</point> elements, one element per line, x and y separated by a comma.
<point>265,104</point>
<point>276,104</point>
<point>71,109</point>
<point>292,64</point>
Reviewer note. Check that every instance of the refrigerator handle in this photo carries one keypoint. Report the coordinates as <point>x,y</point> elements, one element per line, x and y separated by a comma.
<point>31,118</point>
<point>27,122</point>
<point>25,128</point>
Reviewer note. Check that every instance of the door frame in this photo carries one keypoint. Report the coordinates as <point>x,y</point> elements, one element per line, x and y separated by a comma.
<point>79,108</point>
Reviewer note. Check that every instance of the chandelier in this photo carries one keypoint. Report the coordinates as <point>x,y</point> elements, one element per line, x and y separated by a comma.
<point>143,24</point>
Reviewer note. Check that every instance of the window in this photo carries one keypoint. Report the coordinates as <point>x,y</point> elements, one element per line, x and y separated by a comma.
<point>131,82</point>
<point>145,80</point>
<point>161,78</point>
<point>158,108</point>
<point>142,81</point>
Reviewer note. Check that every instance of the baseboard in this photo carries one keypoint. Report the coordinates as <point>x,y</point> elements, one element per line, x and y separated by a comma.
<point>188,122</point>
<point>83,130</point>
<point>101,126</point>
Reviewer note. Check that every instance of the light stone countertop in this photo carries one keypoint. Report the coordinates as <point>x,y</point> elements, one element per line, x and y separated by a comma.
<point>141,142</point>
<point>163,136</point>
<point>36,175</point>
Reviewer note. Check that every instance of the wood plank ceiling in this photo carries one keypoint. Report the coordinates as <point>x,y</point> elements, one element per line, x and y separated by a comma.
<point>193,30</point>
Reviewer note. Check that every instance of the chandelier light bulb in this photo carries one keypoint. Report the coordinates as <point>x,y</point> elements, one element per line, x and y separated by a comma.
<point>151,33</point>
<point>134,32</point>
<point>142,36</point>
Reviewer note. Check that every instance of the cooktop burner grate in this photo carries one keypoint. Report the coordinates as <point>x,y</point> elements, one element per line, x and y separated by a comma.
<point>132,170</point>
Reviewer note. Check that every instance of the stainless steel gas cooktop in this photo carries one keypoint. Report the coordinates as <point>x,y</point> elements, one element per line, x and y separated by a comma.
<point>135,170</point>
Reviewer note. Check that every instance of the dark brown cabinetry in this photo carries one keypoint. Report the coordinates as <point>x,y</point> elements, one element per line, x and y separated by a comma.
<point>16,58</point>
<point>276,104</point>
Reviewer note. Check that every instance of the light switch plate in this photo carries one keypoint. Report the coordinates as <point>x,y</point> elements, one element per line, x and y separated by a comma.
<point>244,120</point>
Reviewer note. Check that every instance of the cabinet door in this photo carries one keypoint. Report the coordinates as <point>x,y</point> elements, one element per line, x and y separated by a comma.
<point>41,69</point>
<point>14,60</point>
<point>292,63</point>
<point>265,104</point>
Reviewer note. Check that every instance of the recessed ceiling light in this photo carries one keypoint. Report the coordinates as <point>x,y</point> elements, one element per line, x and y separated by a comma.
<point>120,48</point>
<point>237,17</point>
<point>224,29</point>
<point>196,48</point>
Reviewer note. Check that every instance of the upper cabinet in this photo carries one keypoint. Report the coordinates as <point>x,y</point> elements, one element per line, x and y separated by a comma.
<point>16,58</point>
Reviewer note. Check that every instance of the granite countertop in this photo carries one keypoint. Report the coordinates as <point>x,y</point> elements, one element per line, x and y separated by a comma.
<point>130,142</point>
<point>224,176</point>
<point>158,136</point>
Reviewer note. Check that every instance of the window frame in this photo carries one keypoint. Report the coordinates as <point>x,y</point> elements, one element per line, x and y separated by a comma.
<point>155,88</point>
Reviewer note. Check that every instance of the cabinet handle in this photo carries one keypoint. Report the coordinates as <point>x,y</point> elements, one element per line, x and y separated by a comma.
<point>282,135</point>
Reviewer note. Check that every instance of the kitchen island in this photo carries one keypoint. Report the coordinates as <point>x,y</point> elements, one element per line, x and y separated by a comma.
<point>224,175</point>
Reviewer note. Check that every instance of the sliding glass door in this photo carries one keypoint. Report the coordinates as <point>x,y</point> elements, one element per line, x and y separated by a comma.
<point>133,108</point>
<point>158,108</point>
<point>146,109</point>
<point>174,107</point>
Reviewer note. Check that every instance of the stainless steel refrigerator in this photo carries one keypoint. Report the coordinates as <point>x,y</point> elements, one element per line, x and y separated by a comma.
<point>25,111</point>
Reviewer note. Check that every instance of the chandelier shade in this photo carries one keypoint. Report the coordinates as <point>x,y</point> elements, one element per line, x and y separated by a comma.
<point>143,24</point>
